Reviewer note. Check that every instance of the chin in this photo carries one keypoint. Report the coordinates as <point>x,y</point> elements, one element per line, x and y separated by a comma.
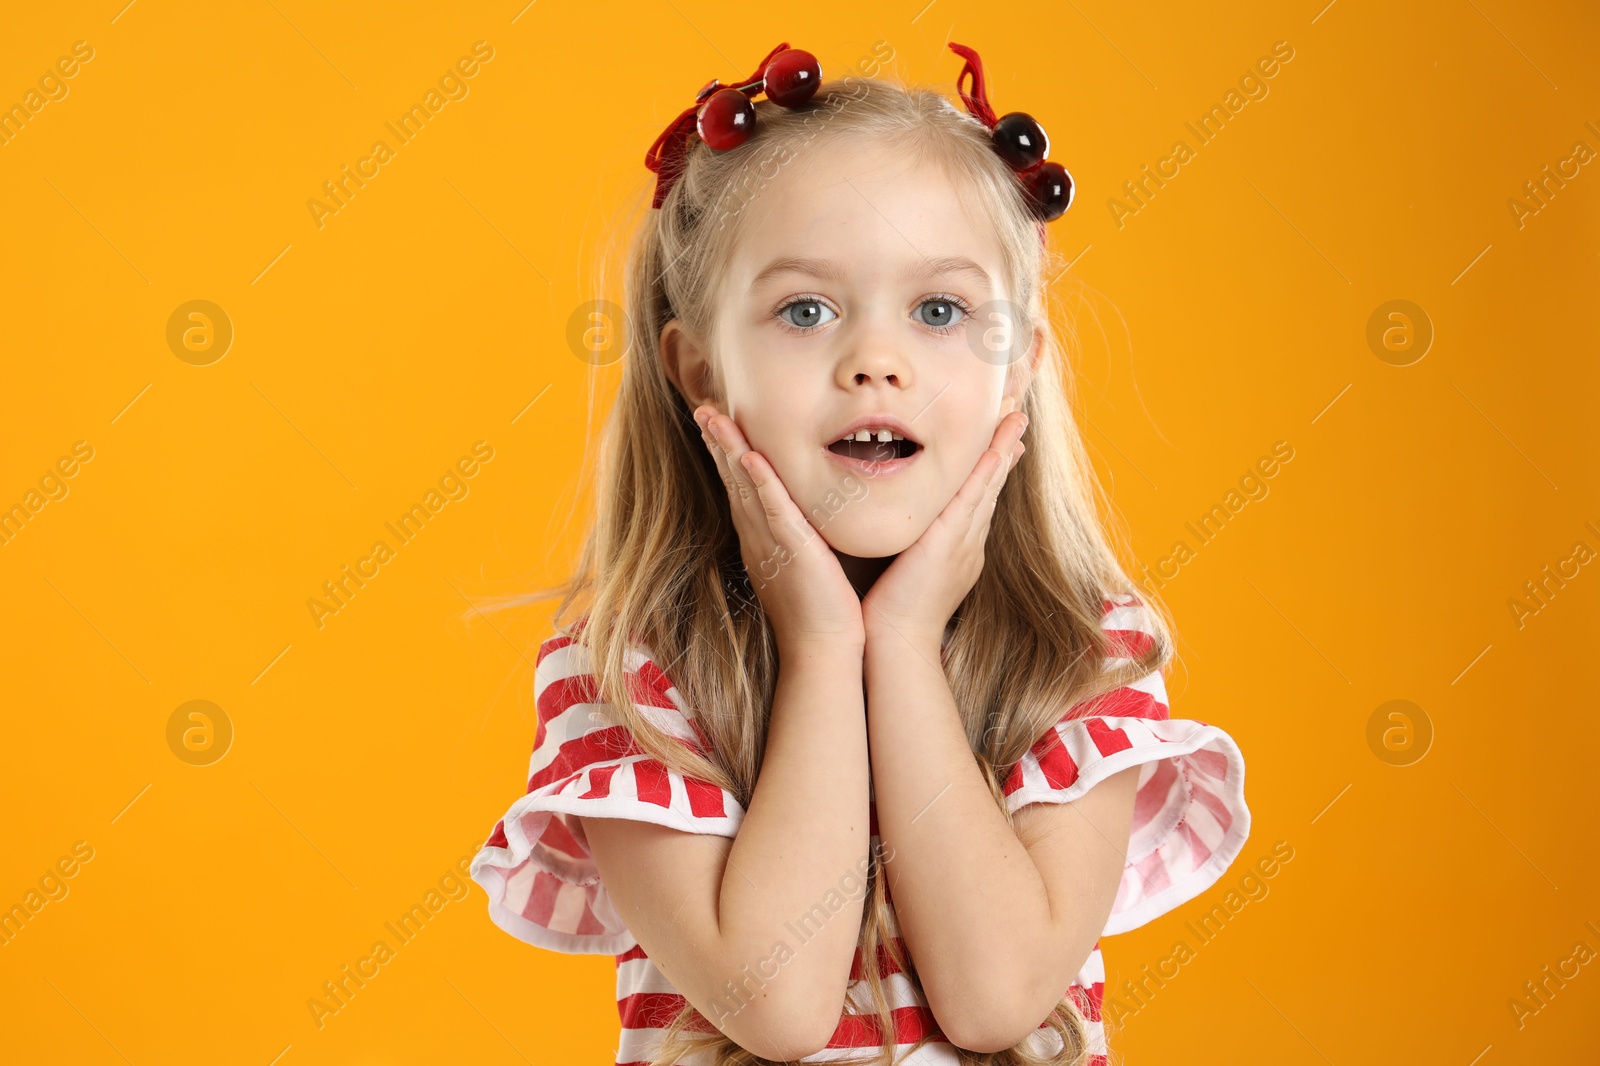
<point>865,540</point>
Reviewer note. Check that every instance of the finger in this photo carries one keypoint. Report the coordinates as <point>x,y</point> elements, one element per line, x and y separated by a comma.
<point>1004,475</point>
<point>1008,431</point>
<point>757,525</point>
<point>1008,442</point>
<point>787,531</point>
<point>782,514</point>
<point>730,484</point>
<point>741,457</point>
<point>726,433</point>
<point>741,489</point>
<point>742,502</point>
<point>1008,462</point>
<point>981,494</point>
<point>1007,446</point>
<point>981,510</point>
<point>962,509</point>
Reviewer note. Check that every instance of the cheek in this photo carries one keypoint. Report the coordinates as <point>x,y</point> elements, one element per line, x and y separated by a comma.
<point>773,429</point>
<point>748,369</point>
<point>773,400</point>
<point>970,431</point>
<point>779,434</point>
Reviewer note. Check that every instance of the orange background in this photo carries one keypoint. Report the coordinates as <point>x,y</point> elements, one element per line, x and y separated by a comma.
<point>1228,313</point>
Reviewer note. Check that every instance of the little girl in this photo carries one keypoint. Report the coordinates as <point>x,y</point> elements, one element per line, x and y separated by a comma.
<point>861,740</point>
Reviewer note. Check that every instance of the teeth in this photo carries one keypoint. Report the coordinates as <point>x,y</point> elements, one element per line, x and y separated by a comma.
<point>884,436</point>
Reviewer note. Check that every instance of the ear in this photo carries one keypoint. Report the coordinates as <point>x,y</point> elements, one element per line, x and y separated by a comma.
<point>687,364</point>
<point>1020,374</point>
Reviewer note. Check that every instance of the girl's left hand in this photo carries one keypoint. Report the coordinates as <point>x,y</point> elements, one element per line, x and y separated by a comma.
<point>918,592</point>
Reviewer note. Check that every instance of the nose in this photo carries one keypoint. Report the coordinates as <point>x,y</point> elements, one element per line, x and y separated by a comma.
<point>873,358</point>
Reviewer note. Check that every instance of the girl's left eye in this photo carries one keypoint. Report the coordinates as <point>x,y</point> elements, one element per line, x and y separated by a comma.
<point>940,313</point>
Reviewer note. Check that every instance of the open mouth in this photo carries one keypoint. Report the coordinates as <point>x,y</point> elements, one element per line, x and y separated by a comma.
<point>874,451</point>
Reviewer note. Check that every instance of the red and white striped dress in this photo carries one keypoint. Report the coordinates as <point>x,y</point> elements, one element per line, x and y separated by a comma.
<point>1190,822</point>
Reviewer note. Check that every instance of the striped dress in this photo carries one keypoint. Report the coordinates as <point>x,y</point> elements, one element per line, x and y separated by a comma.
<point>1190,822</point>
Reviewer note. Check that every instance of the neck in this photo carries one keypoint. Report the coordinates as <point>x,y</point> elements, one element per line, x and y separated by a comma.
<point>862,572</point>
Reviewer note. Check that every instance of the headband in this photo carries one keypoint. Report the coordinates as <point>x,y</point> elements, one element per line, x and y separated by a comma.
<point>723,117</point>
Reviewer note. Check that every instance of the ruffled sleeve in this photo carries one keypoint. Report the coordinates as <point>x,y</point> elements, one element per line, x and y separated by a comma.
<point>1190,819</point>
<point>543,885</point>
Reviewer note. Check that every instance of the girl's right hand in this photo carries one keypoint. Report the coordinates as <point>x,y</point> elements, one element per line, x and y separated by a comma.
<point>796,575</point>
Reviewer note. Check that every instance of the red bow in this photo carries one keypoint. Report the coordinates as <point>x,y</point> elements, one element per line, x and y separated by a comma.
<point>978,102</point>
<point>666,157</point>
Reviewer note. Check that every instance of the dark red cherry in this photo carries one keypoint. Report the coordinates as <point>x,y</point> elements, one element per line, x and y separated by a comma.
<point>1049,191</point>
<point>1020,140</point>
<point>726,120</point>
<point>791,78</point>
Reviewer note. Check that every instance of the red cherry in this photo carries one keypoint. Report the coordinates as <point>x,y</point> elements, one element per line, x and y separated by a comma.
<point>726,120</point>
<point>1020,140</point>
<point>792,77</point>
<point>1049,191</point>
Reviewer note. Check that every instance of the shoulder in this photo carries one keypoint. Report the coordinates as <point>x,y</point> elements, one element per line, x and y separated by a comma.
<point>1190,819</point>
<point>542,881</point>
<point>567,692</point>
<point>1130,625</point>
<point>1131,630</point>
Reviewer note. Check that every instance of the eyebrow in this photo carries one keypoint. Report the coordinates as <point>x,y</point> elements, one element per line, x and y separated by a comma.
<point>830,270</point>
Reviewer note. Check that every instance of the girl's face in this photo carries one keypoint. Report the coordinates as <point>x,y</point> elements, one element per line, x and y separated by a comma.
<point>851,296</point>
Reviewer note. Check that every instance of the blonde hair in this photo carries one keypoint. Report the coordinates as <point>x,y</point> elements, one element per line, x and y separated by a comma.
<point>658,562</point>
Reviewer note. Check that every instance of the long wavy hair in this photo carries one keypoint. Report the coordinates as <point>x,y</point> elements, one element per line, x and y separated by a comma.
<point>661,562</point>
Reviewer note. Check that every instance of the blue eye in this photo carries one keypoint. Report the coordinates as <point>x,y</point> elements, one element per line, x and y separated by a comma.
<point>807,313</point>
<point>948,312</point>
<point>938,313</point>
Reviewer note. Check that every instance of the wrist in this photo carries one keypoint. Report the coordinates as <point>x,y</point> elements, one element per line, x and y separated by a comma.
<point>898,638</point>
<point>832,649</point>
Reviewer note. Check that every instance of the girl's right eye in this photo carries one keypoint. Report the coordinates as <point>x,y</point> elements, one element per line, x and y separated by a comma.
<point>806,313</point>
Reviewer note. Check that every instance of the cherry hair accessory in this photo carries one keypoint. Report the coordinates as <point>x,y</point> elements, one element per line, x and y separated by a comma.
<point>1019,140</point>
<point>723,115</point>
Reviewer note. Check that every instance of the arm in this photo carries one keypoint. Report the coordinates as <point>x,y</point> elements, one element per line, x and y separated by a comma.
<point>998,921</point>
<point>711,911</point>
